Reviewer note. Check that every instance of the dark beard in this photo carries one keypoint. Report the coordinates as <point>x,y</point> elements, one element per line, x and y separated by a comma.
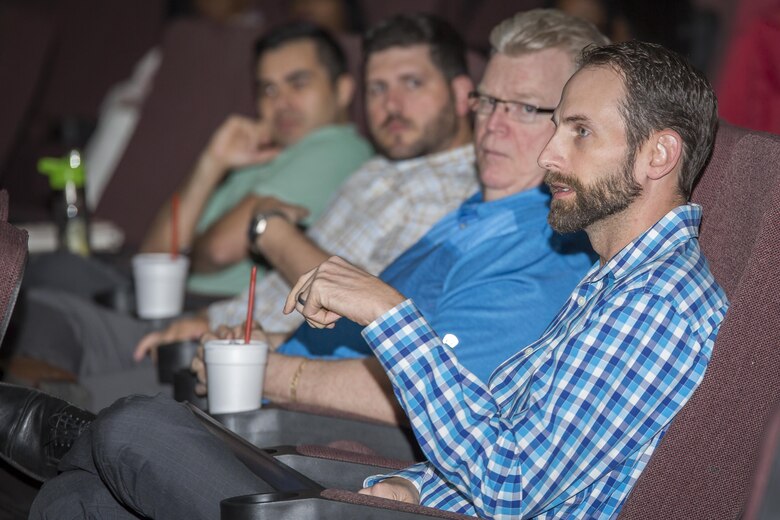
<point>604,197</point>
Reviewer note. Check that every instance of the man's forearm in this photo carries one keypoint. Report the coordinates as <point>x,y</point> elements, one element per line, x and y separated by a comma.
<point>224,243</point>
<point>193,196</point>
<point>355,386</point>
<point>289,250</point>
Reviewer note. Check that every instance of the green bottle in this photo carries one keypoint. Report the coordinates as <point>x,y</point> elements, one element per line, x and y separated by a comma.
<point>66,178</point>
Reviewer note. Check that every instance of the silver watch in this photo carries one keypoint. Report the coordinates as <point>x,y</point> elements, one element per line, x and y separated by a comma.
<point>258,225</point>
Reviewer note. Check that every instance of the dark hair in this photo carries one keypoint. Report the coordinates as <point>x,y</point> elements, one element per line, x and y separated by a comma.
<point>329,51</point>
<point>663,91</point>
<point>448,52</point>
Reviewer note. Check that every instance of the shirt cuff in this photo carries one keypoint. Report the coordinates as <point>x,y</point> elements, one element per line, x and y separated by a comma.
<point>402,333</point>
<point>414,474</point>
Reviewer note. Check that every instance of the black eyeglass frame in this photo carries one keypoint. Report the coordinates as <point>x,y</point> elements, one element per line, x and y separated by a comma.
<point>476,97</point>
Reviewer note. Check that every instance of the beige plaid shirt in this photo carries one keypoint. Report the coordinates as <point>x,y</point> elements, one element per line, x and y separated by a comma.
<point>379,212</point>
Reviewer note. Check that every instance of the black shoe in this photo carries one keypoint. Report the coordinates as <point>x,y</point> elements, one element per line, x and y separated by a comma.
<point>37,430</point>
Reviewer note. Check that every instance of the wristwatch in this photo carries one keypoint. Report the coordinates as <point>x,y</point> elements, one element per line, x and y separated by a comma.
<point>258,225</point>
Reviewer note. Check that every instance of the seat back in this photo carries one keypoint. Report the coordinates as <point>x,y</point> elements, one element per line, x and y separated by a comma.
<point>25,38</point>
<point>374,12</point>
<point>13,256</point>
<point>703,466</point>
<point>764,501</point>
<point>206,74</point>
<point>353,50</point>
<point>477,19</point>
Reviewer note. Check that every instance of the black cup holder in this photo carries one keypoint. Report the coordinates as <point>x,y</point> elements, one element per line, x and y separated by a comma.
<point>120,299</point>
<point>172,357</point>
<point>184,383</point>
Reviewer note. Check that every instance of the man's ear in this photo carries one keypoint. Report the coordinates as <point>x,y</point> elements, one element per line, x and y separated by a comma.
<point>665,149</point>
<point>461,86</point>
<point>345,90</point>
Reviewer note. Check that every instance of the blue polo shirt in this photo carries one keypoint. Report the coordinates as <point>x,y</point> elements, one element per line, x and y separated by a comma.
<point>490,274</point>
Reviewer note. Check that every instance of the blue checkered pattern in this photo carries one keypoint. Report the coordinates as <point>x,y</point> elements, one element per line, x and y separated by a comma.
<point>566,425</point>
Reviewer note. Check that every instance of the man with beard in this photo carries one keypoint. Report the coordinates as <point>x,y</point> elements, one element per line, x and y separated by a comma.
<point>565,426</point>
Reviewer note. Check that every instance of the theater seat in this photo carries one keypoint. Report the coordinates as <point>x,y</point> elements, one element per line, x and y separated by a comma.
<point>13,257</point>
<point>16,490</point>
<point>300,424</point>
<point>703,467</point>
<point>25,41</point>
<point>764,500</point>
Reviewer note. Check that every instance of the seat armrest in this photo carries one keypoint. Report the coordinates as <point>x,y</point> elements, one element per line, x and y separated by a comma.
<point>276,426</point>
<point>333,468</point>
<point>328,504</point>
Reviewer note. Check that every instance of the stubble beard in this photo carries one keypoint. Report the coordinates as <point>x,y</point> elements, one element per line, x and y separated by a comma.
<point>436,136</point>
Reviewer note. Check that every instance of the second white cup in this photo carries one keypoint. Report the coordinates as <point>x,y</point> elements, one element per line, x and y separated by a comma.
<point>160,283</point>
<point>235,371</point>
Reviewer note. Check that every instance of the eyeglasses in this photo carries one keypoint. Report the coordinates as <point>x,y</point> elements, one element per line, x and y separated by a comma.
<point>484,106</point>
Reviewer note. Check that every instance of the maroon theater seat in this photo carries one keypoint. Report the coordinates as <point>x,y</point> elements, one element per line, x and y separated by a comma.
<point>13,256</point>
<point>25,37</point>
<point>373,12</point>
<point>703,467</point>
<point>477,19</point>
<point>764,501</point>
<point>352,46</point>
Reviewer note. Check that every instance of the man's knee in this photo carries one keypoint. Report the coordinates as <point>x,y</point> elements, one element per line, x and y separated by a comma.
<point>136,444</point>
<point>130,431</point>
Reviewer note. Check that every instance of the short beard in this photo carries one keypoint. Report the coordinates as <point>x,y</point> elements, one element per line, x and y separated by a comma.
<point>606,196</point>
<point>436,136</point>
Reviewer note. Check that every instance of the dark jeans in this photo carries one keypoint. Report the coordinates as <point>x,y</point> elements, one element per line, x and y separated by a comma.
<point>145,457</point>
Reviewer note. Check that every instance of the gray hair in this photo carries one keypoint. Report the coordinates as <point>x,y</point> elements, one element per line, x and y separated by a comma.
<point>539,29</point>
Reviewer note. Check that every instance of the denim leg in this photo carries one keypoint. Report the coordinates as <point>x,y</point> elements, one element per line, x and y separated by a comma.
<point>156,459</point>
<point>75,495</point>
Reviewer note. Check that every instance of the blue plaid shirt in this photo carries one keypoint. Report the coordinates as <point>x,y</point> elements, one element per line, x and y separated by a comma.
<point>567,424</point>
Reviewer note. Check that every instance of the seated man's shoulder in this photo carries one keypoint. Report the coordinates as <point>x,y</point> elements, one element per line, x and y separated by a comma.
<point>332,141</point>
<point>682,278</point>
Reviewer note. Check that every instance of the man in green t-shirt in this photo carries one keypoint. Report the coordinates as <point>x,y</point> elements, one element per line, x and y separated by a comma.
<point>289,161</point>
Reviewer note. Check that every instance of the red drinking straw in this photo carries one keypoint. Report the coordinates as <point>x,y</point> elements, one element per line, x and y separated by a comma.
<point>250,309</point>
<point>175,226</point>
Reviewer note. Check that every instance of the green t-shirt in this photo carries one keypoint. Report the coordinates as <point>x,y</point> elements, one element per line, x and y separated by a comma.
<point>306,173</point>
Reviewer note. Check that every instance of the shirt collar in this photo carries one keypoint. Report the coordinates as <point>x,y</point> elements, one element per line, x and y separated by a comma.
<point>679,225</point>
<point>531,198</point>
<point>456,155</point>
